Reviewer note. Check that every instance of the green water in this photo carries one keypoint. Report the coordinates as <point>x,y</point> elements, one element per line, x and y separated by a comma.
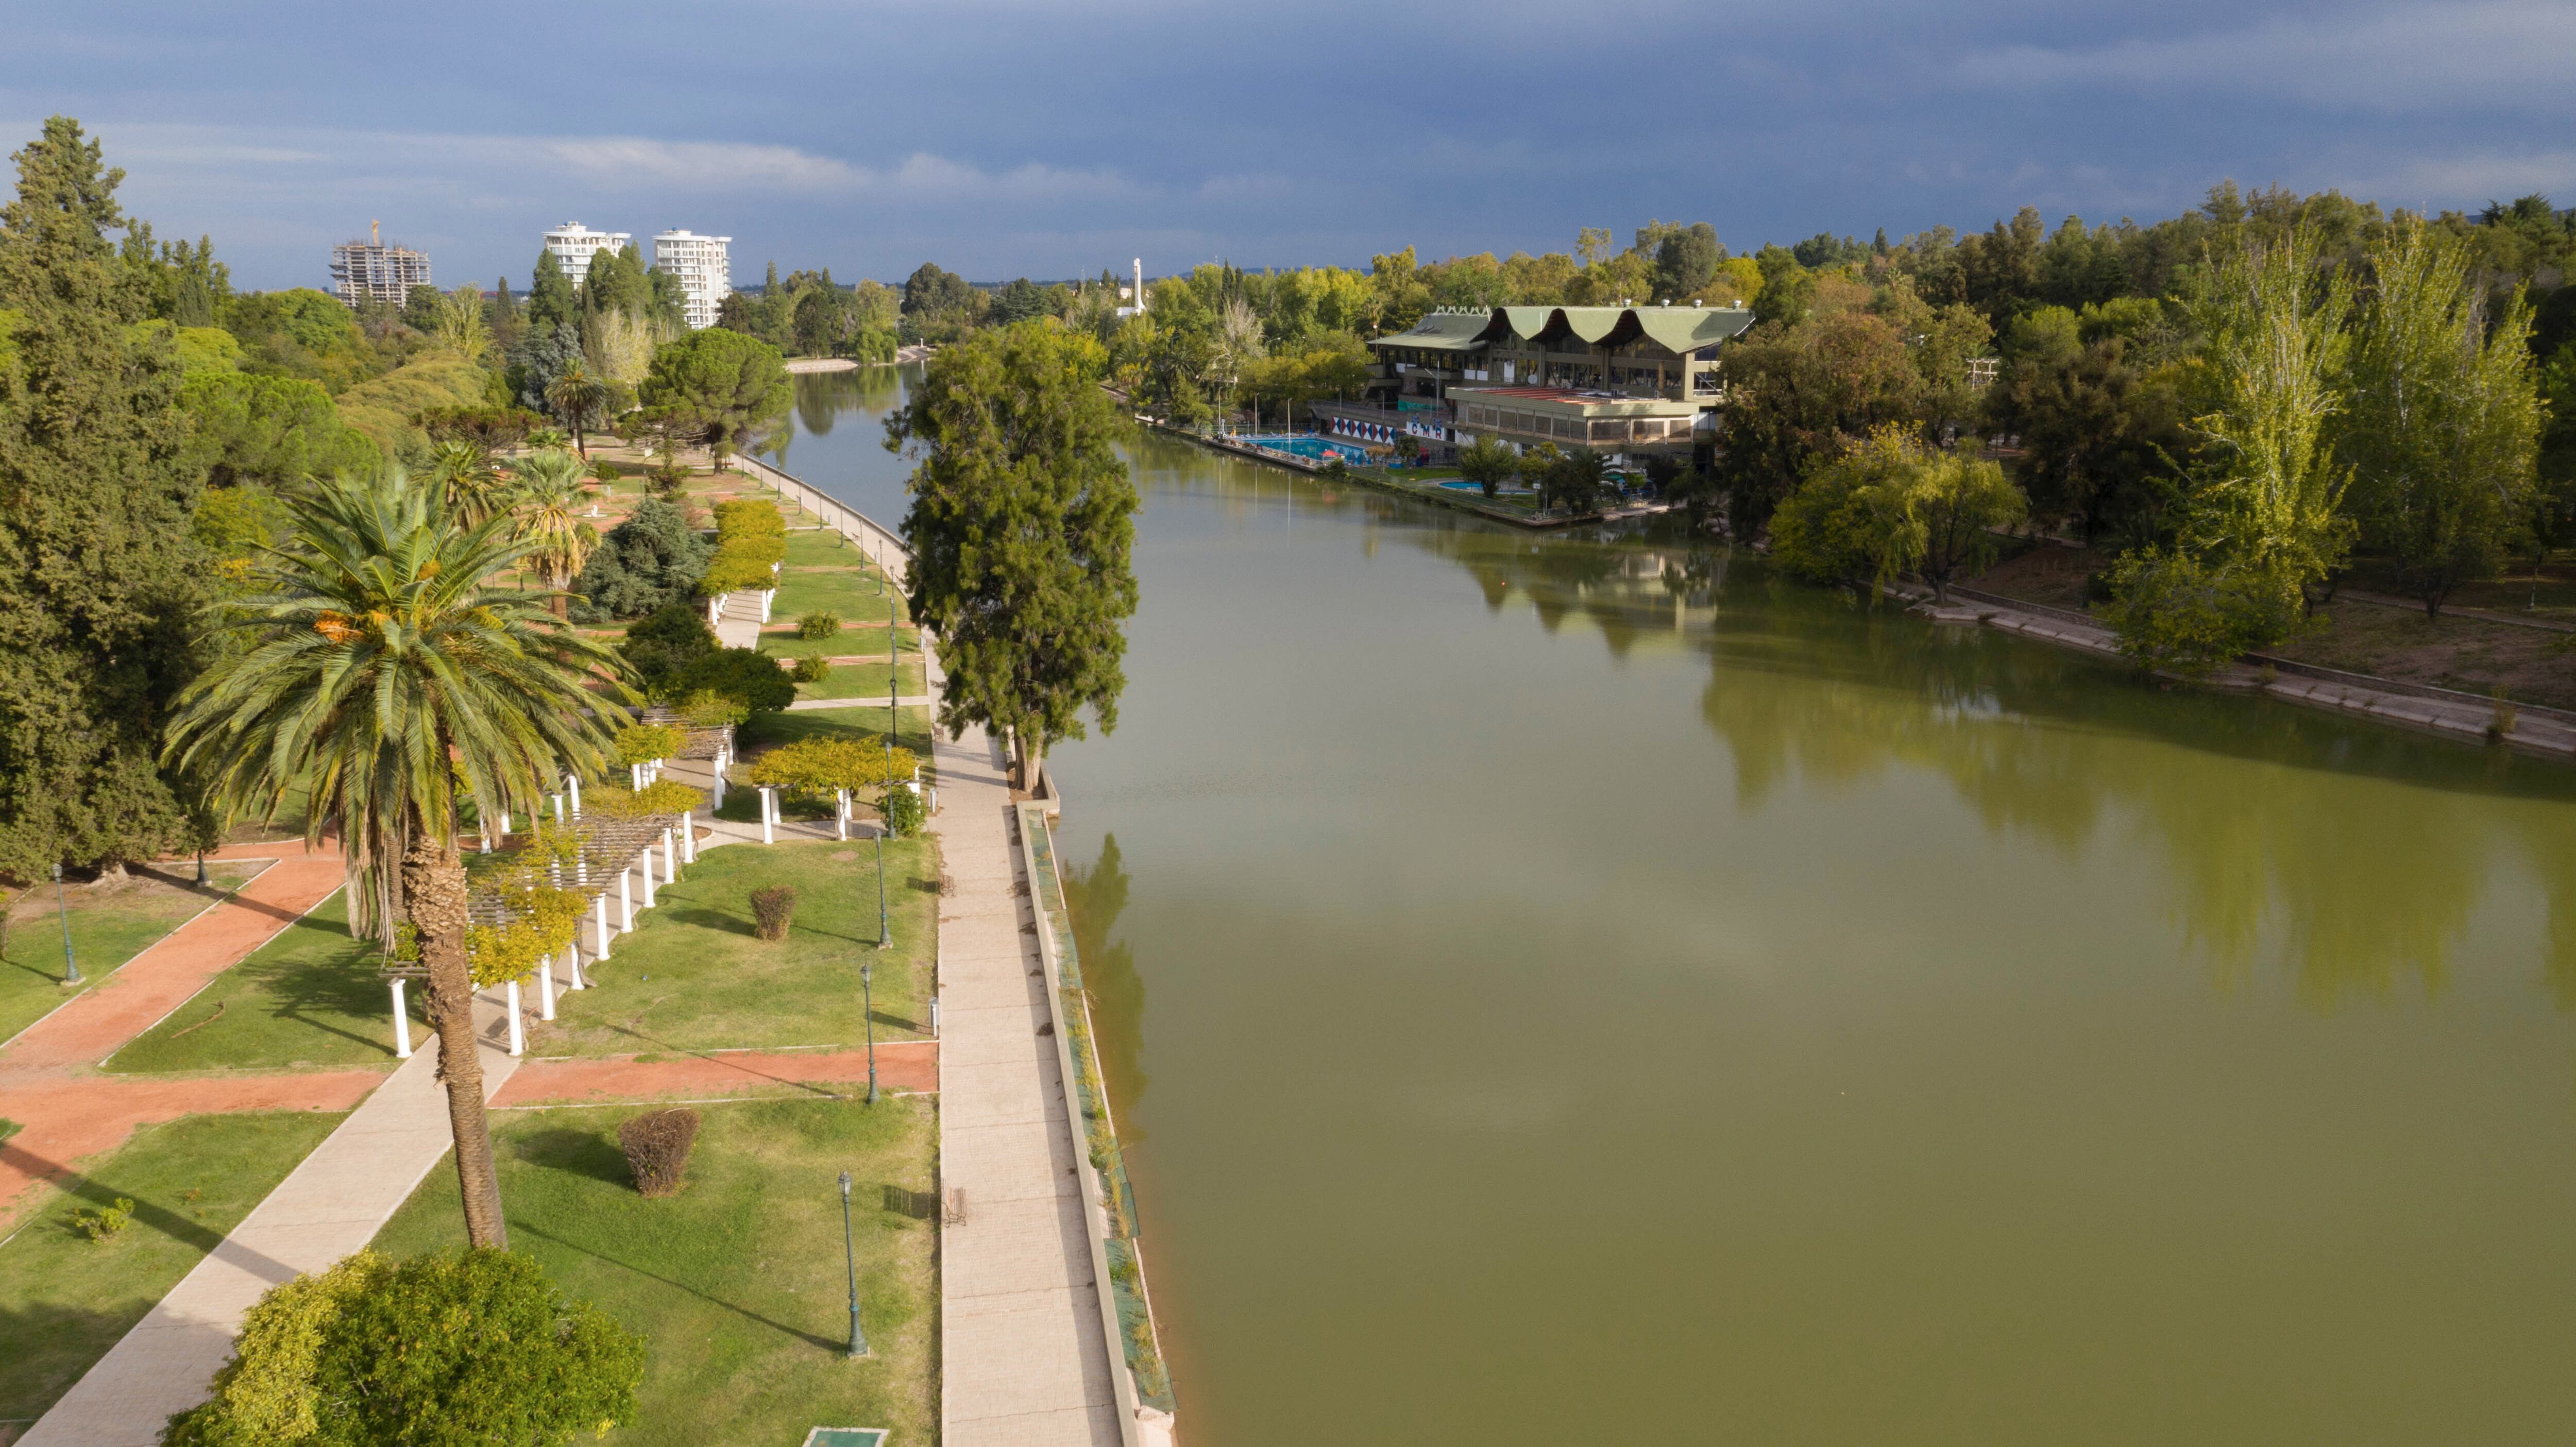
<point>1564,990</point>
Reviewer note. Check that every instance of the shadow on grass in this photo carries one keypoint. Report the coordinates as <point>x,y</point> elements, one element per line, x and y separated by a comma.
<point>577,1152</point>
<point>746,1313</point>
<point>704,918</point>
<point>146,1213</point>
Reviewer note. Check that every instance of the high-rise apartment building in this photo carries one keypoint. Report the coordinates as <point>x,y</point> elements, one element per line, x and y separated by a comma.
<point>575,244</point>
<point>700,264</point>
<point>369,270</point>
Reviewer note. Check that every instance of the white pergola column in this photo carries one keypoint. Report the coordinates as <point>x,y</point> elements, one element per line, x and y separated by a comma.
<point>715,610</point>
<point>546,987</point>
<point>557,800</point>
<point>724,760</point>
<point>645,867</point>
<point>688,837</point>
<point>601,953</point>
<point>402,1023</point>
<point>768,815</point>
<point>518,1034</point>
<point>625,901</point>
<point>572,786</point>
<point>635,778</point>
<point>670,858</point>
<point>840,813</point>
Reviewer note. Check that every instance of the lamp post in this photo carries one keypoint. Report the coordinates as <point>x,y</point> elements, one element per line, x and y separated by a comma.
<point>71,967</point>
<point>858,1343</point>
<point>868,1007</point>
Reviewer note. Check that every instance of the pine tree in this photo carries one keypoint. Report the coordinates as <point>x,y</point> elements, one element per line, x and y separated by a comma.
<point>98,585</point>
<point>505,310</point>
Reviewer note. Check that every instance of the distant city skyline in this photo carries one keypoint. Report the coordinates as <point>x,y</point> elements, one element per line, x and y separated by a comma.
<point>1000,138</point>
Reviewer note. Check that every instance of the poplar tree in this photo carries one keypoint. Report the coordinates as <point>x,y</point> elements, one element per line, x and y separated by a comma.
<point>551,298</point>
<point>2443,424</point>
<point>99,587</point>
<point>1022,530</point>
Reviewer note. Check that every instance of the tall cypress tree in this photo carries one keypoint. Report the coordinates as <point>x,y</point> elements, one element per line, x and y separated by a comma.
<point>99,586</point>
<point>550,294</point>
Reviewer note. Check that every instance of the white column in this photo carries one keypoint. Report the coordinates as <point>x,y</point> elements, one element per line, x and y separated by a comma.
<point>518,1034</point>
<point>688,837</point>
<point>768,816</point>
<point>601,953</point>
<point>647,869</point>
<point>840,813</point>
<point>625,901</point>
<point>402,1023</point>
<point>558,800</point>
<point>635,777</point>
<point>670,858</point>
<point>572,785</point>
<point>505,822</point>
<point>572,962</point>
<point>724,758</point>
<point>546,987</point>
<point>715,610</point>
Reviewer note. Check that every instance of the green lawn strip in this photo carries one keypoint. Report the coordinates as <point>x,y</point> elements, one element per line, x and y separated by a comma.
<point>693,976</point>
<point>851,723</point>
<point>854,596</point>
<point>108,928</point>
<point>308,998</point>
<point>863,680</point>
<point>738,1281</point>
<point>65,1299</point>
<point>849,642</point>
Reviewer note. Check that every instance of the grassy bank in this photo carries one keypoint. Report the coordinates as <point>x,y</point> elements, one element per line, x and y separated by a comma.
<point>65,1299</point>
<point>738,1281</point>
<point>307,999</point>
<point>110,924</point>
<point>693,975</point>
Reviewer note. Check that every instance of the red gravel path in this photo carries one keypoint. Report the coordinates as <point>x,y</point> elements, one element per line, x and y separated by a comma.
<point>907,1065</point>
<point>68,1117</point>
<point>160,979</point>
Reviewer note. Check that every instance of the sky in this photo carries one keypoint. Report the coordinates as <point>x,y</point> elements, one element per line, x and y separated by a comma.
<point>1003,138</point>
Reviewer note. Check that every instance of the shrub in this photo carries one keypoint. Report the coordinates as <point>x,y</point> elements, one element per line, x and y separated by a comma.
<point>903,811</point>
<point>742,673</point>
<point>456,1346</point>
<point>811,670</point>
<point>662,796</point>
<point>708,709</point>
<point>666,643</point>
<point>639,743</point>
<point>106,1224</point>
<point>772,909</point>
<point>657,1149</point>
<point>814,627</point>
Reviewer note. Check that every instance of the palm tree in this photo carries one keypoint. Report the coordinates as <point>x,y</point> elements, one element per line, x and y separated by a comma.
<point>385,673</point>
<point>558,542</point>
<point>575,395</point>
<point>475,489</point>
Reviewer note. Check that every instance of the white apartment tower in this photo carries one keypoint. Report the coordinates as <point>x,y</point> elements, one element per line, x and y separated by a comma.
<point>575,244</point>
<point>704,273</point>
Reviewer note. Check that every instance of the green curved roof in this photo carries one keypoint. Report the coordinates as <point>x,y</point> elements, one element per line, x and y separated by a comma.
<point>1676,328</point>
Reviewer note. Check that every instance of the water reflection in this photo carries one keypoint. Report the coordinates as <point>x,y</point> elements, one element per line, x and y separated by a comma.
<point>1095,897</point>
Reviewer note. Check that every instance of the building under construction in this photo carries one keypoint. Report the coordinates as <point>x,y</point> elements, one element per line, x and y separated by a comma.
<point>370,270</point>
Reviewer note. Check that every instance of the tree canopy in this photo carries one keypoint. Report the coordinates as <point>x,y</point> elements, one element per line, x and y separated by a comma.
<point>728,383</point>
<point>1022,529</point>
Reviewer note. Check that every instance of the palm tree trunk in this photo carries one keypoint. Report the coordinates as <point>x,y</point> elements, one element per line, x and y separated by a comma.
<point>434,889</point>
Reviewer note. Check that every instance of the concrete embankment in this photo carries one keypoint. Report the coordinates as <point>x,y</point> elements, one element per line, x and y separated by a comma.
<point>2547,732</point>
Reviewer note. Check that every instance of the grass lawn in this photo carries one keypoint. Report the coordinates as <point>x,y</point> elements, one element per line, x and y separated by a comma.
<point>819,576</point>
<point>64,1299</point>
<point>111,923</point>
<point>737,1282</point>
<point>308,998</point>
<point>858,637</point>
<point>693,976</point>
<point>860,723</point>
<point>863,680</point>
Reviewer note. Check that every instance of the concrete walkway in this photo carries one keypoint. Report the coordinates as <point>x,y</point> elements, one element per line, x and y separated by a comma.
<point>738,620</point>
<point>331,1205</point>
<point>1024,1359</point>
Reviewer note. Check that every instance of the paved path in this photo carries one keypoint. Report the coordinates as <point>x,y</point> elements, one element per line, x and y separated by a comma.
<point>1023,1356</point>
<point>326,1208</point>
<point>738,620</point>
<point>161,978</point>
<point>901,1065</point>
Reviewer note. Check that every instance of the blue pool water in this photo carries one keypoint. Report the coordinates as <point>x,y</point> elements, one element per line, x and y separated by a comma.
<point>1319,448</point>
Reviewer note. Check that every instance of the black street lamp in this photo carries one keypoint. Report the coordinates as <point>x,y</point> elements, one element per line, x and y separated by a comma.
<point>868,1007</point>
<point>71,967</point>
<point>858,1343</point>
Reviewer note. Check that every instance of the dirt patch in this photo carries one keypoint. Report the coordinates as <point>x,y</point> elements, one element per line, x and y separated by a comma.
<point>2051,573</point>
<point>2467,654</point>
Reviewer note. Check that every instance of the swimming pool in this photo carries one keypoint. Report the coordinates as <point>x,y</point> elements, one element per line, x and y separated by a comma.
<point>1319,449</point>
